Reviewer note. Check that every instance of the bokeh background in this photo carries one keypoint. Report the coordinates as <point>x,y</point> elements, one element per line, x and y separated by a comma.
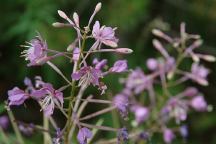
<point>20,19</point>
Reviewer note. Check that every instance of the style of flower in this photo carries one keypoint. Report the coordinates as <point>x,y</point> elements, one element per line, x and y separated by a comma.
<point>121,102</point>
<point>199,103</point>
<point>168,136</point>
<point>48,97</point>
<point>16,96</point>
<point>83,135</point>
<point>87,75</point>
<point>105,35</point>
<point>36,53</point>
<point>119,66</point>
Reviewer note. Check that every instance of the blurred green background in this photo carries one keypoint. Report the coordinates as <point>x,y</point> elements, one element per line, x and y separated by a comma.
<point>134,18</point>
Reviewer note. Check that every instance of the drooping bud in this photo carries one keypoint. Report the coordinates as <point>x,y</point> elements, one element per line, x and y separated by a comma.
<point>58,24</point>
<point>157,44</point>
<point>124,50</point>
<point>209,58</point>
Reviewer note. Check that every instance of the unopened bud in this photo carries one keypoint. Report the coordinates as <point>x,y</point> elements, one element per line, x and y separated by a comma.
<point>157,32</point>
<point>76,18</point>
<point>209,58</point>
<point>62,14</point>
<point>124,50</point>
<point>98,7</point>
<point>58,24</point>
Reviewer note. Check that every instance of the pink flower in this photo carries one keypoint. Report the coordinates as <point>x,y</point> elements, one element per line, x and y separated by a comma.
<point>83,135</point>
<point>199,103</point>
<point>87,75</point>
<point>36,54</point>
<point>48,97</point>
<point>119,66</point>
<point>141,114</point>
<point>121,102</point>
<point>105,35</point>
<point>168,136</point>
<point>199,74</point>
<point>17,96</point>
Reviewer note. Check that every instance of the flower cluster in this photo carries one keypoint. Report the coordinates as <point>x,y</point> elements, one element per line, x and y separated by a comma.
<point>146,95</point>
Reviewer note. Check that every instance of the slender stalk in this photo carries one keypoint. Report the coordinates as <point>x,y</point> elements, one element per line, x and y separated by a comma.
<point>58,71</point>
<point>76,66</point>
<point>46,136</point>
<point>98,113</point>
<point>4,137</point>
<point>105,128</point>
<point>15,127</point>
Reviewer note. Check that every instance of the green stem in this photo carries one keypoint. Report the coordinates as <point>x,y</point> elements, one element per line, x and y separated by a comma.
<point>15,127</point>
<point>4,137</point>
<point>69,124</point>
<point>46,127</point>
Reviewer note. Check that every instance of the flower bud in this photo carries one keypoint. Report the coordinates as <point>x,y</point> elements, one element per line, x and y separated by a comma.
<point>98,7</point>
<point>76,18</point>
<point>209,58</point>
<point>152,64</point>
<point>62,14</point>
<point>190,91</point>
<point>124,50</point>
<point>157,32</point>
<point>58,24</point>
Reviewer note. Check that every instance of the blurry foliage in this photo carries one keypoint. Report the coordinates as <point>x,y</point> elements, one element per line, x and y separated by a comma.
<point>135,19</point>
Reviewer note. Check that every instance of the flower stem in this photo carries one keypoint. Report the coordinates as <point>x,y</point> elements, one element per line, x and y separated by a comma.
<point>15,127</point>
<point>76,67</point>
<point>46,126</point>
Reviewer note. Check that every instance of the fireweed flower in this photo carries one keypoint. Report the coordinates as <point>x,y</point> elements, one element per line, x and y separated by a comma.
<point>83,135</point>
<point>100,64</point>
<point>138,81</point>
<point>141,113</point>
<point>199,74</point>
<point>121,102</point>
<point>87,75</point>
<point>199,103</point>
<point>4,122</point>
<point>168,136</point>
<point>119,66</point>
<point>17,96</point>
<point>184,131</point>
<point>48,98</point>
<point>36,54</point>
<point>175,108</point>
<point>105,35</point>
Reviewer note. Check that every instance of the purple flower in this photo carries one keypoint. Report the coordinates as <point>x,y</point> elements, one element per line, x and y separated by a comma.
<point>4,122</point>
<point>105,35</point>
<point>141,114</point>
<point>138,81</point>
<point>176,108</point>
<point>184,131</point>
<point>122,135</point>
<point>83,135</point>
<point>152,64</point>
<point>119,66</point>
<point>121,102</point>
<point>199,103</point>
<point>76,54</point>
<point>48,97</point>
<point>36,54</point>
<point>87,75</point>
<point>17,96</point>
<point>199,74</point>
<point>27,130</point>
<point>100,64</point>
<point>190,91</point>
<point>168,136</point>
